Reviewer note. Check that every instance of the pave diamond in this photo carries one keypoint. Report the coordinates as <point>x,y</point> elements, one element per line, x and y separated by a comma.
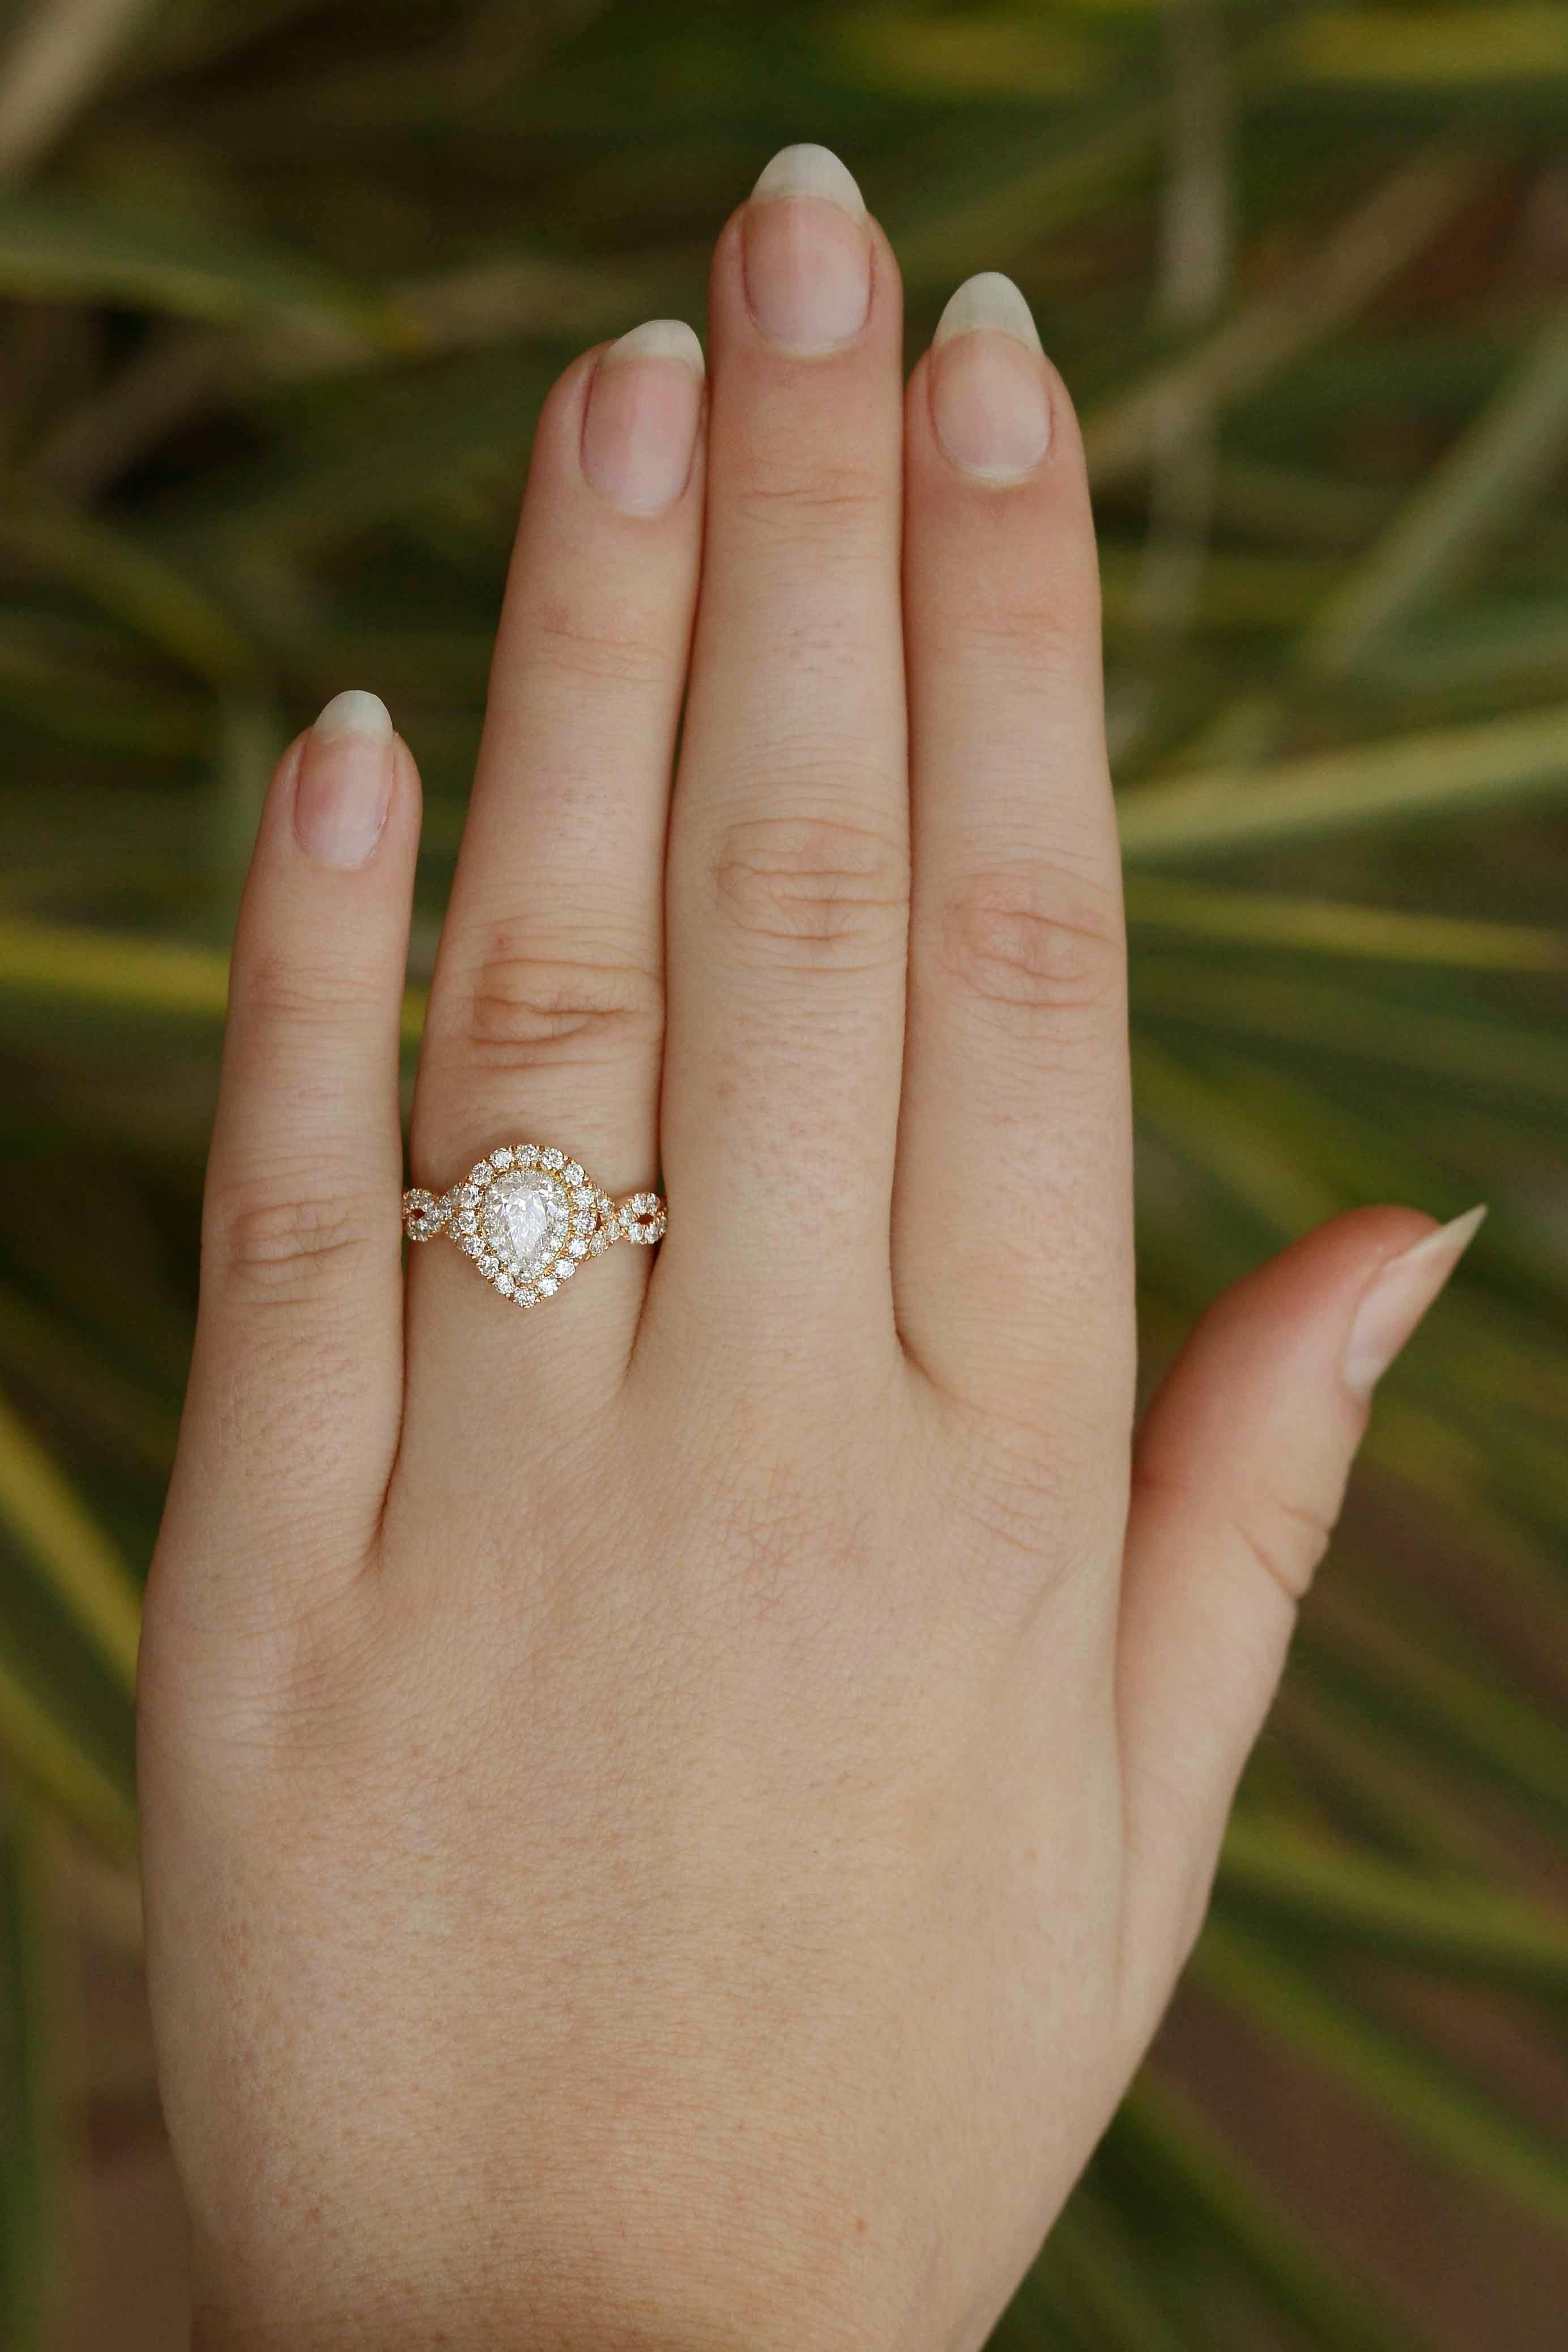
<point>529,1215</point>
<point>526,1221</point>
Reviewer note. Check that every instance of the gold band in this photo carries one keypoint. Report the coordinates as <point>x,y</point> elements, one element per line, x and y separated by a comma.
<point>527,1216</point>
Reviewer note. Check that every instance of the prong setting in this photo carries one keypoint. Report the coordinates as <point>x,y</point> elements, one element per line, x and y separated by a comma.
<point>529,1215</point>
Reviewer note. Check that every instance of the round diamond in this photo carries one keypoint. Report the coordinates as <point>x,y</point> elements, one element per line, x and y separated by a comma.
<point>473,1244</point>
<point>504,1284</point>
<point>577,1246</point>
<point>467,1222</point>
<point>572,1172</point>
<point>481,1174</point>
<point>564,1267</point>
<point>552,1158</point>
<point>528,1156</point>
<point>525,1293</point>
<point>503,1158</point>
<point>548,1287</point>
<point>487,1266</point>
<point>526,1220</point>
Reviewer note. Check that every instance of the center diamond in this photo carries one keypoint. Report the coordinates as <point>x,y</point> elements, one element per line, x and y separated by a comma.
<point>527,1220</point>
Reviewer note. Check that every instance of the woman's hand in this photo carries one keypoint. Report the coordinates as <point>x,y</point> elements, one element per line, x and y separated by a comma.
<point>671,1817</point>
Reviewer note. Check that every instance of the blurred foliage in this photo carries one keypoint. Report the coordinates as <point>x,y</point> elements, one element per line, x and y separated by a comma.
<point>281,284</point>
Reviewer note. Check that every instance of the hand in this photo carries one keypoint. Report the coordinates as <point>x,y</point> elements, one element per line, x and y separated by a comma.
<point>671,1817</point>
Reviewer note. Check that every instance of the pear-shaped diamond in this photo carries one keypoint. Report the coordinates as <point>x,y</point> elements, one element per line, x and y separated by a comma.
<point>526,1217</point>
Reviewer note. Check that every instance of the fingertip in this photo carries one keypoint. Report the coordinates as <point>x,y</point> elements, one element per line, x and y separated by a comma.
<point>1316,1277</point>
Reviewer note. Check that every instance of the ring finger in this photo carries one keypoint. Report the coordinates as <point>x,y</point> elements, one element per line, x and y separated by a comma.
<point>547,1009</point>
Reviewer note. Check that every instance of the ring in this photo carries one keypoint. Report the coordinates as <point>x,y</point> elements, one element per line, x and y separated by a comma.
<point>527,1216</point>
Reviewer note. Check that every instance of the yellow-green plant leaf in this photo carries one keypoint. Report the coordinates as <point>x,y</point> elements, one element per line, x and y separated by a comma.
<point>1217,1135</point>
<point>1380,236</point>
<point>1510,452</point>
<point>58,1768</point>
<point>31,2150</point>
<point>1170,2147</point>
<point>1428,48</point>
<point>119,973</point>
<point>82,1568</point>
<point>1004,56</point>
<point>165,605</point>
<point>68,249</point>
<point>1459,1925</point>
<point>1457,769</point>
<point>1411,2088</point>
<point>1338,927</point>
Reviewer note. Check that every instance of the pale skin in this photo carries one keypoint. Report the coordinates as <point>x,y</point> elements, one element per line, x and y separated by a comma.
<point>672,1816</point>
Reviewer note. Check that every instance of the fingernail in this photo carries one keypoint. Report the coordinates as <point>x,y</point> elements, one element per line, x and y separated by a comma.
<point>989,403</point>
<point>805,252</point>
<point>344,785</point>
<point>1398,1296</point>
<point>641,427</point>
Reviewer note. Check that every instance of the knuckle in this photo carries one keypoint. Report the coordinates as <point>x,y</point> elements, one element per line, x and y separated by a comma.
<point>1260,1530</point>
<point>279,993</point>
<point>529,1008</point>
<point>615,651</point>
<point>1040,947</point>
<point>806,495</point>
<point>1032,630</point>
<point>1285,1539</point>
<point>820,892</point>
<point>282,1251</point>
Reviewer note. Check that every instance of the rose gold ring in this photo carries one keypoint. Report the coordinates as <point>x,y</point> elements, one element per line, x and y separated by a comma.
<point>527,1216</point>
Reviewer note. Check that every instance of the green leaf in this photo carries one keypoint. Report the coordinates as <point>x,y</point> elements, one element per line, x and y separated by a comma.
<point>1459,1926</point>
<point>44,1515</point>
<point>1166,2144</point>
<point>1409,1039</point>
<point>64,964</point>
<point>1459,771</point>
<point>1510,452</point>
<point>1431,47</point>
<point>1380,236</point>
<point>46,1754</point>
<point>32,2190</point>
<point>1422,2096</point>
<point>114,571</point>
<point>60,248</point>
<point>1260,919</point>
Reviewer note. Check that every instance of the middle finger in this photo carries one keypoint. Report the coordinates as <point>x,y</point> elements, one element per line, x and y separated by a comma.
<point>787,893</point>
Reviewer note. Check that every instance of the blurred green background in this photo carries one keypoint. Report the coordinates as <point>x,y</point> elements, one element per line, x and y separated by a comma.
<point>281,284</point>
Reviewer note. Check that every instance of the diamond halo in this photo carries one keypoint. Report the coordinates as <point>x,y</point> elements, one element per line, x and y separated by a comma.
<point>526,1215</point>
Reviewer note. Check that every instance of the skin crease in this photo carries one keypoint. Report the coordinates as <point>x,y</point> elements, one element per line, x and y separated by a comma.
<point>670,1819</point>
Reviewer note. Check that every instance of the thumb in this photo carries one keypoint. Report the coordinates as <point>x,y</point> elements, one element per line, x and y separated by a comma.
<point>1237,1477</point>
